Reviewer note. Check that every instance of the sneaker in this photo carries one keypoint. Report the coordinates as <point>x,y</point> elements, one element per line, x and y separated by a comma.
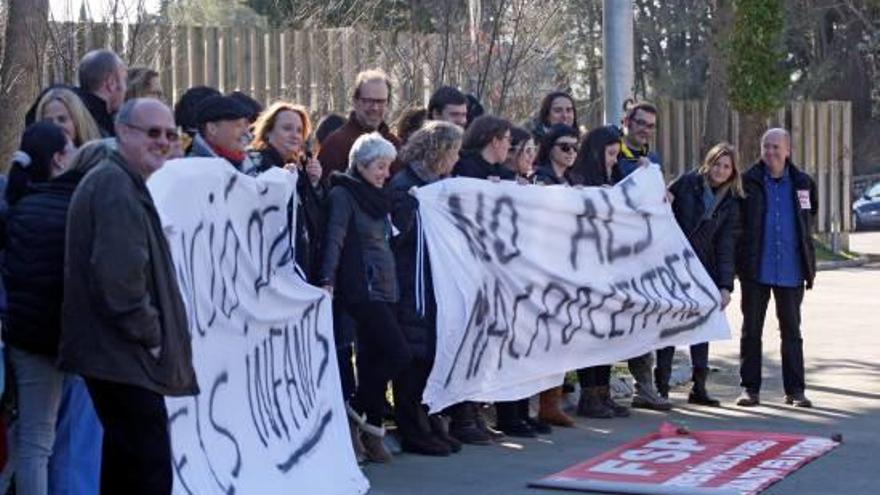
<point>748,399</point>
<point>488,430</point>
<point>798,400</point>
<point>648,398</point>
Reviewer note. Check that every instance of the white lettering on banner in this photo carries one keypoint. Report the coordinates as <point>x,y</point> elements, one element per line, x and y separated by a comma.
<point>708,470</point>
<point>776,469</point>
<point>534,281</point>
<point>270,417</point>
<point>662,451</point>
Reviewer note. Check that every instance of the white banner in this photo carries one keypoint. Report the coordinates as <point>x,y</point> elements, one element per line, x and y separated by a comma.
<point>270,417</point>
<point>534,281</point>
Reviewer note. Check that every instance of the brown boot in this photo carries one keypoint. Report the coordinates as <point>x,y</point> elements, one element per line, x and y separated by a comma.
<point>374,445</point>
<point>550,411</point>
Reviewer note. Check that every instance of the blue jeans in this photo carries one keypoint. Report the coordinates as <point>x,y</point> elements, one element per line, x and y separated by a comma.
<point>39,383</point>
<point>75,466</point>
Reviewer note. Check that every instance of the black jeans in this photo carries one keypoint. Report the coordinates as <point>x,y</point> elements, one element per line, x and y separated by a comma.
<point>136,451</point>
<point>755,298</point>
<point>595,376</point>
<point>699,360</point>
<point>382,352</point>
<point>344,336</point>
<point>408,387</point>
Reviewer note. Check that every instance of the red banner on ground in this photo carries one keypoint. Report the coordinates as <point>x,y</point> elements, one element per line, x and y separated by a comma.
<point>700,462</point>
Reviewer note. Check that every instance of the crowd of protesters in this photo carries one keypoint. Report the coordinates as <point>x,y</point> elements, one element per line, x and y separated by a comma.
<point>96,333</point>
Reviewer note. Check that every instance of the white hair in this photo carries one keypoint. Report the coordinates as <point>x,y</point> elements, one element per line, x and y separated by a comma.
<point>369,148</point>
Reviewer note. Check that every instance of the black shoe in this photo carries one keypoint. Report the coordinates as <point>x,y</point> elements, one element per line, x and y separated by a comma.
<point>539,427</point>
<point>469,433</point>
<point>440,430</point>
<point>517,428</point>
<point>702,398</point>
<point>798,400</point>
<point>425,445</point>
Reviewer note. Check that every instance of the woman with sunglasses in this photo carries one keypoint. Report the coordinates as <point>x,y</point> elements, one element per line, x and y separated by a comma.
<point>556,156</point>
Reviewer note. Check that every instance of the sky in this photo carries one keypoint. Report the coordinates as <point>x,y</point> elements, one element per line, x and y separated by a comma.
<point>69,9</point>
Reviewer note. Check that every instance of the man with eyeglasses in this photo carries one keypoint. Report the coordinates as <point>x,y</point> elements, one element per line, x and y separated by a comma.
<point>372,93</point>
<point>124,325</point>
<point>639,127</point>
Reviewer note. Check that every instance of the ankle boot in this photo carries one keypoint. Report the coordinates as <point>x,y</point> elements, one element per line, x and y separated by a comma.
<point>550,410</point>
<point>619,410</point>
<point>374,445</point>
<point>698,394</point>
<point>590,404</point>
<point>440,429</point>
<point>645,397</point>
<point>355,421</point>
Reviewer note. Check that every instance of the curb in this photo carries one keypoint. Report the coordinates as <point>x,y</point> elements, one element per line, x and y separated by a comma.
<point>834,265</point>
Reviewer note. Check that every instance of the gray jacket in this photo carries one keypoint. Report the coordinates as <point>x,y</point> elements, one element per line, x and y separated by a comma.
<point>121,297</point>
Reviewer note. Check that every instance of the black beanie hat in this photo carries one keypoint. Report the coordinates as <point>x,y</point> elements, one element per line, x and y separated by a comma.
<point>185,110</point>
<point>216,108</point>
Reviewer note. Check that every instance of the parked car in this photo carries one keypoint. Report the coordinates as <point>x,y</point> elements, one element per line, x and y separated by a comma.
<point>866,209</point>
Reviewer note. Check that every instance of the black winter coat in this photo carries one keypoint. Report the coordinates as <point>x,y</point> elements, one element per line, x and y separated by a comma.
<point>419,327</point>
<point>310,213</point>
<point>545,175</point>
<point>357,260</point>
<point>752,212</point>
<point>97,108</point>
<point>713,238</point>
<point>33,269</point>
<point>472,164</point>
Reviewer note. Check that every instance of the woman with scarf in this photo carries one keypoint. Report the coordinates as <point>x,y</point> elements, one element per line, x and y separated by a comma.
<point>706,206</point>
<point>358,269</point>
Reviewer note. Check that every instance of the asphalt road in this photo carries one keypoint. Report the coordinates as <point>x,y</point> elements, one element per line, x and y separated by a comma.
<point>842,345</point>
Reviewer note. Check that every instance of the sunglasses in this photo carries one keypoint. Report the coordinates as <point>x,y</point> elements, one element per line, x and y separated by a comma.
<point>566,147</point>
<point>156,132</point>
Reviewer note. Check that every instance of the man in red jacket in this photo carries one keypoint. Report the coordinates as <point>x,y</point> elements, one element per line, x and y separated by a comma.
<point>372,93</point>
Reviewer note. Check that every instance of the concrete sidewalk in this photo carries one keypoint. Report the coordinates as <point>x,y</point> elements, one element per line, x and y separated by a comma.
<point>842,346</point>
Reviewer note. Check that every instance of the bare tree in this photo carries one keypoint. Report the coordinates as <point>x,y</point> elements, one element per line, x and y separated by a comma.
<point>21,69</point>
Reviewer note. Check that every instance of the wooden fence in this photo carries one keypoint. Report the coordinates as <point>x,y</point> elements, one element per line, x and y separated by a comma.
<point>317,68</point>
<point>821,143</point>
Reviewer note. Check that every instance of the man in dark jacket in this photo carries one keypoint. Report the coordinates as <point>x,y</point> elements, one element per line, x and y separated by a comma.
<point>776,254</point>
<point>102,84</point>
<point>124,325</point>
<point>372,90</point>
<point>639,127</point>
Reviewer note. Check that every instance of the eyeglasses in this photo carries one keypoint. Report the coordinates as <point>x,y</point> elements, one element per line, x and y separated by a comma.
<point>566,147</point>
<point>644,123</point>
<point>375,102</point>
<point>171,134</point>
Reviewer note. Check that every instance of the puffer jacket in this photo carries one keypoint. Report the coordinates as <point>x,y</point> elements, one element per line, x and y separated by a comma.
<point>33,268</point>
<point>357,260</point>
<point>714,237</point>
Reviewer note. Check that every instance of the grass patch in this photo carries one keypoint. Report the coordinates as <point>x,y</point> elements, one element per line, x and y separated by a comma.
<point>824,253</point>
